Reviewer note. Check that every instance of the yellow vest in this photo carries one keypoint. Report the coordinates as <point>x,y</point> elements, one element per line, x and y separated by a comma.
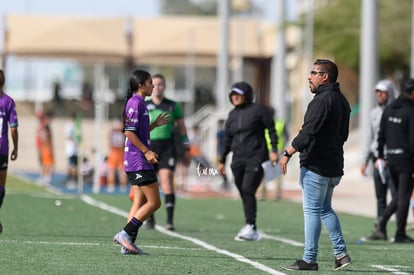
<point>279,126</point>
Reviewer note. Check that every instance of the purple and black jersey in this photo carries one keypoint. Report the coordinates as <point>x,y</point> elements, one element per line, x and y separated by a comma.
<point>8,118</point>
<point>137,121</point>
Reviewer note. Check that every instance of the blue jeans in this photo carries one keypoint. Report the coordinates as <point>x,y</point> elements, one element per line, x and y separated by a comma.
<point>317,194</point>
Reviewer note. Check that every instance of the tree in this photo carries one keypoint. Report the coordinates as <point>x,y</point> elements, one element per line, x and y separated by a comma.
<point>337,32</point>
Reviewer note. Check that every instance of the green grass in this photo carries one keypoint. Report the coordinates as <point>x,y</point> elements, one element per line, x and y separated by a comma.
<point>76,238</point>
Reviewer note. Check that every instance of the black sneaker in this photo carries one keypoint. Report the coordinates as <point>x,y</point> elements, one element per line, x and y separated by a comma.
<point>302,265</point>
<point>403,239</point>
<point>377,235</point>
<point>377,223</point>
<point>342,262</point>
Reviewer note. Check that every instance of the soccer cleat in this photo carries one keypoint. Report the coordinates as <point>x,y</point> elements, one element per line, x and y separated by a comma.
<point>342,262</point>
<point>125,251</point>
<point>1,228</point>
<point>247,233</point>
<point>122,238</point>
<point>302,265</point>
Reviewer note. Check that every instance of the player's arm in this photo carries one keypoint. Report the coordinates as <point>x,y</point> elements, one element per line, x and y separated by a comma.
<point>15,139</point>
<point>162,119</point>
<point>149,155</point>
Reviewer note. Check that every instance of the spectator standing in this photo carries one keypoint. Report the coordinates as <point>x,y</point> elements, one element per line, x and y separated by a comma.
<point>385,94</point>
<point>283,137</point>
<point>87,171</point>
<point>116,158</point>
<point>244,136</point>
<point>8,116</point>
<point>73,139</point>
<point>396,142</point>
<point>87,96</point>
<point>44,144</point>
<point>57,89</point>
<point>219,151</point>
<point>182,163</point>
<point>196,151</point>
<point>103,172</point>
<point>320,143</point>
<point>162,143</point>
<point>139,160</point>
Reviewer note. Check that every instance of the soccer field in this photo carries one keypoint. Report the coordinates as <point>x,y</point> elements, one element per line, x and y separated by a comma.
<point>76,238</point>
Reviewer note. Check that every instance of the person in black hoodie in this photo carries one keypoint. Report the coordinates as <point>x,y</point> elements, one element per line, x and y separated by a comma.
<point>396,144</point>
<point>245,137</point>
<point>320,143</point>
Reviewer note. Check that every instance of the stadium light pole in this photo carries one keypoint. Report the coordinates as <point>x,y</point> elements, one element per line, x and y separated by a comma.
<point>190,73</point>
<point>412,41</point>
<point>308,50</point>
<point>241,9</point>
<point>368,66</point>
<point>222,72</point>
<point>278,78</point>
<point>100,116</point>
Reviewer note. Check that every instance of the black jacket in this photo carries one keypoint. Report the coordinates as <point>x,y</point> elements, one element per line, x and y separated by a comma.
<point>324,132</point>
<point>245,134</point>
<point>396,133</point>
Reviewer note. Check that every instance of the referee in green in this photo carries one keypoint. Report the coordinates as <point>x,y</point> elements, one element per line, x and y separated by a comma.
<point>163,144</point>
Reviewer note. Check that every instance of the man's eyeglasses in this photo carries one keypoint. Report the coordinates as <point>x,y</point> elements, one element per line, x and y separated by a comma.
<point>317,72</point>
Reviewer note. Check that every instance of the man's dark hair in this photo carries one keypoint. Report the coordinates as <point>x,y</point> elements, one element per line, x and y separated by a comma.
<point>329,67</point>
<point>409,86</point>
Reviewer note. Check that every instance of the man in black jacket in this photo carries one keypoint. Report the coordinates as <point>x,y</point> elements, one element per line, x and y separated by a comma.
<point>320,143</point>
<point>396,142</point>
<point>244,135</point>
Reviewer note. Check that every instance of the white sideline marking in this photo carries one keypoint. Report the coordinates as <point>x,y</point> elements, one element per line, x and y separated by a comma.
<point>104,206</point>
<point>198,242</point>
<point>94,244</point>
<point>283,240</point>
<point>392,268</point>
<point>51,243</point>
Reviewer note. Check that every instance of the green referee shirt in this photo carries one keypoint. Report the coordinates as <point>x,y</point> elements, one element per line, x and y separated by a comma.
<point>172,108</point>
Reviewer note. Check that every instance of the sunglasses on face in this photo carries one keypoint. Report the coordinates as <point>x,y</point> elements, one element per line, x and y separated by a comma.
<point>317,72</point>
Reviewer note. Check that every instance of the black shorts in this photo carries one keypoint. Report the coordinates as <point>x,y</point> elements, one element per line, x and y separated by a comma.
<point>142,178</point>
<point>73,161</point>
<point>4,161</point>
<point>167,156</point>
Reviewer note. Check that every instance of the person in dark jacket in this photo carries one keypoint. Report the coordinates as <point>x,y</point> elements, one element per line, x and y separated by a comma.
<point>396,142</point>
<point>320,143</point>
<point>385,94</point>
<point>244,136</point>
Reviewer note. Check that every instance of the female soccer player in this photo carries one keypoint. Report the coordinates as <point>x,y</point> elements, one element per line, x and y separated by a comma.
<point>139,159</point>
